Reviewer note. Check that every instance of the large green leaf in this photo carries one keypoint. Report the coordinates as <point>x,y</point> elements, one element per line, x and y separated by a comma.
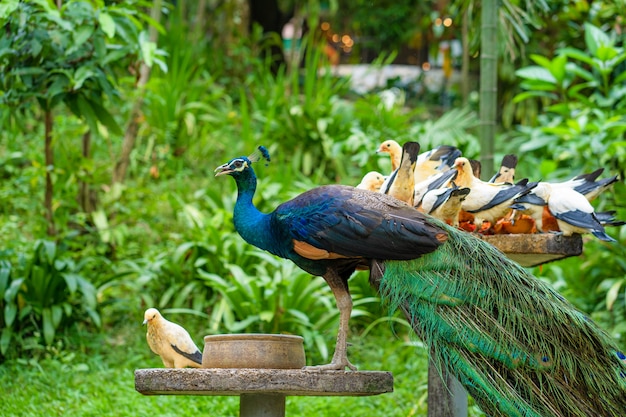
<point>575,54</point>
<point>104,117</point>
<point>10,312</point>
<point>71,279</point>
<point>107,23</point>
<point>533,94</point>
<point>56,312</point>
<point>7,7</point>
<point>557,68</point>
<point>5,273</point>
<point>80,76</point>
<point>595,38</point>
<point>86,112</point>
<point>48,325</point>
<point>536,73</point>
<point>11,292</point>
<point>49,249</point>
<point>58,87</point>
<point>80,35</point>
<point>5,339</point>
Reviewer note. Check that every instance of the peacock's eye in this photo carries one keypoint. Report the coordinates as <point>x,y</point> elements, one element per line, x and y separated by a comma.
<point>238,163</point>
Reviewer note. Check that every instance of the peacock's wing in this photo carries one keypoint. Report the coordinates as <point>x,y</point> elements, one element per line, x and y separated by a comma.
<point>518,346</point>
<point>357,223</point>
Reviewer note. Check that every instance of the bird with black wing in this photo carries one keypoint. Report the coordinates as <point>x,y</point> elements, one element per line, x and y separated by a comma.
<point>171,341</point>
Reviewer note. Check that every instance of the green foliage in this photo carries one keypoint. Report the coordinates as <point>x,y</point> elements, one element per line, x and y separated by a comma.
<point>581,129</point>
<point>61,55</point>
<point>302,111</point>
<point>583,93</point>
<point>71,54</point>
<point>44,295</point>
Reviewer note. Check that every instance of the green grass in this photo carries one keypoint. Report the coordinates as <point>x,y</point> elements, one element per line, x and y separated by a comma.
<point>96,378</point>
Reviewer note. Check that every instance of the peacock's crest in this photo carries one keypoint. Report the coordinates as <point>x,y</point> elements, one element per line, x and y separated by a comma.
<point>260,153</point>
<point>238,166</point>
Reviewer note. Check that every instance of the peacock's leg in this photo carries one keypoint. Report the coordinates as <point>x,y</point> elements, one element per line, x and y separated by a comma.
<point>344,304</point>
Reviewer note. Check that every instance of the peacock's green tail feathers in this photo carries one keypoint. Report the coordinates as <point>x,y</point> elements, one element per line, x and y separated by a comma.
<point>517,345</point>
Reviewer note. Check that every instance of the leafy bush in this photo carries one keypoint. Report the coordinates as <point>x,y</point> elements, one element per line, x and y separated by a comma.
<point>43,296</point>
<point>581,129</point>
<point>584,94</point>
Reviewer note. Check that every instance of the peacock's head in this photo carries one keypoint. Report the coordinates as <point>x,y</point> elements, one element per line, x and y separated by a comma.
<point>237,166</point>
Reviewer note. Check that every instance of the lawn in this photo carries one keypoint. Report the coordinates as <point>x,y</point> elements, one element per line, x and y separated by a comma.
<point>96,378</point>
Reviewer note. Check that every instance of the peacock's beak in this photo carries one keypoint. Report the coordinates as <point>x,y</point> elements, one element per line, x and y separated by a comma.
<point>222,170</point>
<point>144,322</point>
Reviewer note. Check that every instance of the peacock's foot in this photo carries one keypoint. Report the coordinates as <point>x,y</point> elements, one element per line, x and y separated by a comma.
<point>339,365</point>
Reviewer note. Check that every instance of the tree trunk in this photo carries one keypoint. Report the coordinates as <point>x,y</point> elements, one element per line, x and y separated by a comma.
<point>488,82</point>
<point>86,198</point>
<point>49,164</point>
<point>130,135</point>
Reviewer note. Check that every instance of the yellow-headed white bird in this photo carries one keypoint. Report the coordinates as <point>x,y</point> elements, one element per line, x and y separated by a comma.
<point>444,203</point>
<point>171,342</point>
<point>394,150</point>
<point>371,181</point>
<point>572,210</point>
<point>487,201</point>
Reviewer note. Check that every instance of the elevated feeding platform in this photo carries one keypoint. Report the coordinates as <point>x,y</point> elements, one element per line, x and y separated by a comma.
<point>262,370</point>
<point>286,382</point>
<point>536,249</point>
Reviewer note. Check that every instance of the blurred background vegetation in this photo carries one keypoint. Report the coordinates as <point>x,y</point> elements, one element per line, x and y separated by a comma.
<point>114,114</point>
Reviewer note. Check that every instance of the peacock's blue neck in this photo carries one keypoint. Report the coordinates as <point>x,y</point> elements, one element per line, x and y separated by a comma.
<point>250,223</point>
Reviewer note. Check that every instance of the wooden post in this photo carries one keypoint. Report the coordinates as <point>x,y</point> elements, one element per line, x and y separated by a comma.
<point>446,395</point>
<point>262,405</point>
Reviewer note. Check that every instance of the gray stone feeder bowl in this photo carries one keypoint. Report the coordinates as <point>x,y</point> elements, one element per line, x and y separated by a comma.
<point>259,351</point>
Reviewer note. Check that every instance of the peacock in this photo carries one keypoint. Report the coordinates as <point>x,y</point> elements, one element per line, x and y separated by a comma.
<point>518,347</point>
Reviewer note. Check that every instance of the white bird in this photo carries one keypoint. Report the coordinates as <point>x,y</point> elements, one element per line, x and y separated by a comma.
<point>487,201</point>
<point>535,203</point>
<point>573,212</point>
<point>587,185</point>
<point>171,341</point>
<point>428,163</point>
<point>444,203</point>
<point>439,180</point>
<point>371,181</point>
